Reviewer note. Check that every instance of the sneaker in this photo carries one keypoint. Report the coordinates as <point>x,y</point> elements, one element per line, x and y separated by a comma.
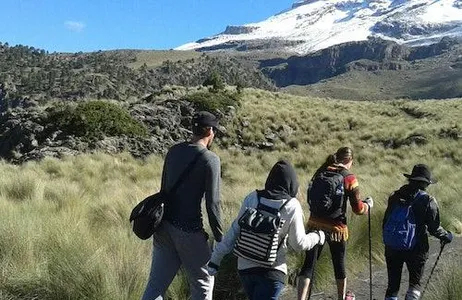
<point>412,294</point>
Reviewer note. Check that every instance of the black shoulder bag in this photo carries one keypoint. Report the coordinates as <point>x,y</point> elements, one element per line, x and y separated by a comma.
<point>147,215</point>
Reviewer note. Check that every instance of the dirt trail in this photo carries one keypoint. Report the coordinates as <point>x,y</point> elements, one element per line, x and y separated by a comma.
<point>360,284</point>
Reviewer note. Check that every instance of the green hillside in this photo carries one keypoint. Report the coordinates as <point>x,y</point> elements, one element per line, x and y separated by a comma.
<point>66,235</point>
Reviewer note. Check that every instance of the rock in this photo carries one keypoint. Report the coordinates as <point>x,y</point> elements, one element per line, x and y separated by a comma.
<point>285,131</point>
<point>415,139</point>
<point>266,146</point>
<point>230,29</point>
<point>271,137</point>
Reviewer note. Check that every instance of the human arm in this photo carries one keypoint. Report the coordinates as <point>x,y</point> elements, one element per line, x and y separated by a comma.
<point>227,243</point>
<point>212,196</point>
<point>353,195</point>
<point>163,182</point>
<point>432,219</point>
<point>298,239</point>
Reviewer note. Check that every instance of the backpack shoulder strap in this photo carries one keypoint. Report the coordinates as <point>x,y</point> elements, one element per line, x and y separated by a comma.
<point>186,172</point>
<point>273,209</point>
<point>420,195</point>
<point>258,198</point>
<point>284,204</point>
<point>344,172</point>
<point>284,238</point>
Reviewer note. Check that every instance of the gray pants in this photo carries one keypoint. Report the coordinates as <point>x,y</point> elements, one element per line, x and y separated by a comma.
<point>174,248</point>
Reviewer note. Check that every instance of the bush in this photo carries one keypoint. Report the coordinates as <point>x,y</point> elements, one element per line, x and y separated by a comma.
<point>95,119</point>
<point>216,81</point>
<point>213,101</point>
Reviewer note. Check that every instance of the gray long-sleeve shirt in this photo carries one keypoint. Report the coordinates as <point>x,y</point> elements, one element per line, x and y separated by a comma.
<point>183,209</point>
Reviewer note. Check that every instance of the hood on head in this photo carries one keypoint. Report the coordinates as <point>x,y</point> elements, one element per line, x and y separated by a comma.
<point>282,182</point>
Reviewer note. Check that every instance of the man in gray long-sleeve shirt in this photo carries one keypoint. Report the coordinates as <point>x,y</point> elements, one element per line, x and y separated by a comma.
<point>181,239</point>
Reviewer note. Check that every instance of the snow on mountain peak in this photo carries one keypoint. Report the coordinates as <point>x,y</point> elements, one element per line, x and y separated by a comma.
<point>312,25</point>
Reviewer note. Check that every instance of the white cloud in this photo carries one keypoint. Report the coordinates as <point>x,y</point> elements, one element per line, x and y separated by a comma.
<point>75,26</point>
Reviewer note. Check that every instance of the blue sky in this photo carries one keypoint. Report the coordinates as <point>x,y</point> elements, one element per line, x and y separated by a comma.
<point>91,25</point>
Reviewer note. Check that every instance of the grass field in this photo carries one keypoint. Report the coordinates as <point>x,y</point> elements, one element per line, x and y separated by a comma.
<point>65,231</point>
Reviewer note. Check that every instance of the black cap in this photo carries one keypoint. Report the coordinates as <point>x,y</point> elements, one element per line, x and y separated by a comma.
<point>421,172</point>
<point>204,119</point>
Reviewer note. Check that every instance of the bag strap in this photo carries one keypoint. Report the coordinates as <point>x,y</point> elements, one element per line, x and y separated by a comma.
<point>419,195</point>
<point>284,204</point>
<point>284,238</point>
<point>186,172</point>
<point>280,207</point>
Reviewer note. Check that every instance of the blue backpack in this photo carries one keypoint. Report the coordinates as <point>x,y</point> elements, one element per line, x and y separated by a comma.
<point>399,230</point>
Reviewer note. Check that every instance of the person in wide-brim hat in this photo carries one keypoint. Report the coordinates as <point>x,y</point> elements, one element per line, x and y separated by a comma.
<point>414,255</point>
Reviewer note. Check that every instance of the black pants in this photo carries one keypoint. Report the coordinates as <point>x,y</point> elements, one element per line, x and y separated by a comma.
<point>337,251</point>
<point>415,262</point>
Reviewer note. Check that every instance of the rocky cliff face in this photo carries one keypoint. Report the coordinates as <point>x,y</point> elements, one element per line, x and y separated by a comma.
<point>239,29</point>
<point>369,55</point>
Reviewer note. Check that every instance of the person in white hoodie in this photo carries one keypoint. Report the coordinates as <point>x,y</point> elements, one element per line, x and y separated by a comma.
<point>259,281</point>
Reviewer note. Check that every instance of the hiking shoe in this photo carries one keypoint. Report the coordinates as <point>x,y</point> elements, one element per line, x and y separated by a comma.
<point>412,294</point>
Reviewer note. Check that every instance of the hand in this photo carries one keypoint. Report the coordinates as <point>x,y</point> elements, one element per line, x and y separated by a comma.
<point>212,268</point>
<point>369,201</point>
<point>447,238</point>
<point>322,237</point>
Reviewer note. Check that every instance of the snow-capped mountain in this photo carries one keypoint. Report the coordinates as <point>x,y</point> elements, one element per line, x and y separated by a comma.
<point>312,25</point>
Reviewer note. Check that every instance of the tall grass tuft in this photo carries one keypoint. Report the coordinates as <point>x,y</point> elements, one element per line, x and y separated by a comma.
<point>446,285</point>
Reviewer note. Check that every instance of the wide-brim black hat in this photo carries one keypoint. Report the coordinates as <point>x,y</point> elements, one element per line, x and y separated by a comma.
<point>421,172</point>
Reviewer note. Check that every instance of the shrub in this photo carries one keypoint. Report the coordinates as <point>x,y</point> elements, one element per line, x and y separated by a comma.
<point>216,81</point>
<point>213,101</point>
<point>95,119</point>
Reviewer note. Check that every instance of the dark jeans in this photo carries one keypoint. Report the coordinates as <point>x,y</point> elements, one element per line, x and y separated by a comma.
<point>259,287</point>
<point>337,251</point>
<point>415,262</point>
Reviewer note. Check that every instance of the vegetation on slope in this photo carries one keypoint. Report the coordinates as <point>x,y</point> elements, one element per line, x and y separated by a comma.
<point>30,75</point>
<point>66,235</point>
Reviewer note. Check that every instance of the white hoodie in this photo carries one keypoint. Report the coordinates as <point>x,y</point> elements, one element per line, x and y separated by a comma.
<point>294,228</point>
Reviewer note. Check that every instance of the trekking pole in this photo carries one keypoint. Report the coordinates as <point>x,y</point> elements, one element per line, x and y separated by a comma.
<point>433,269</point>
<point>370,252</point>
<point>316,255</point>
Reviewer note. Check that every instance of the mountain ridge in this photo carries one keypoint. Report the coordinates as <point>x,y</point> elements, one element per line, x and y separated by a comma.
<point>313,25</point>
